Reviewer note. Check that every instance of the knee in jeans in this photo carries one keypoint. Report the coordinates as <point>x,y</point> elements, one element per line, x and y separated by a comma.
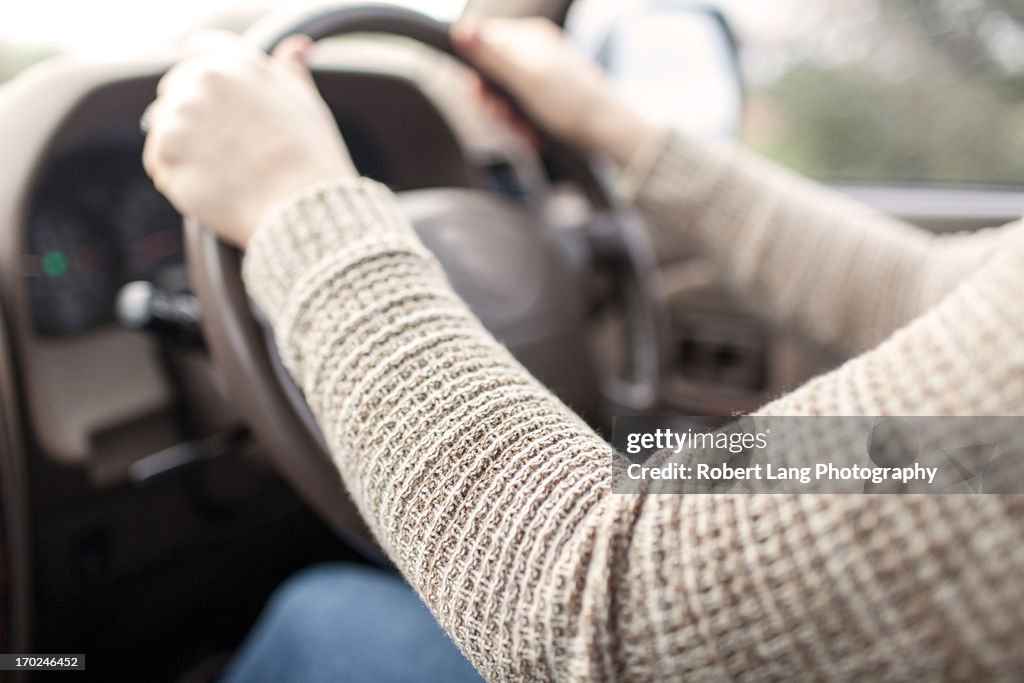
<point>312,589</point>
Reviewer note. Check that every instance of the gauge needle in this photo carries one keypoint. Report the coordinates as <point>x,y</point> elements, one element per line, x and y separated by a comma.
<point>154,247</point>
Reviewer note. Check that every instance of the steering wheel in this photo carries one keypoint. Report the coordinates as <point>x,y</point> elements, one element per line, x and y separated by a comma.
<point>500,258</point>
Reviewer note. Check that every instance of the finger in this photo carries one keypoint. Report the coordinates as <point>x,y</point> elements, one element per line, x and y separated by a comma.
<point>485,95</point>
<point>529,134</point>
<point>293,54</point>
<point>475,84</point>
<point>493,102</point>
<point>470,38</point>
<point>147,118</point>
<point>503,111</point>
<point>478,43</point>
<point>189,68</point>
<point>155,155</point>
<point>465,34</point>
<point>514,122</point>
<point>203,48</point>
<point>174,75</point>
<point>149,162</point>
<point>162,121</point>
<point>184,76</point>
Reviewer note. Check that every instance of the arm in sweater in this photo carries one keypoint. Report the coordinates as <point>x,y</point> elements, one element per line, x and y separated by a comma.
<point>776,237</point>
<point>494,499</point>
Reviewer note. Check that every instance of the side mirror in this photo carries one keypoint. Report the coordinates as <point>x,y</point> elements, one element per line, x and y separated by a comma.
<point>675,60</point>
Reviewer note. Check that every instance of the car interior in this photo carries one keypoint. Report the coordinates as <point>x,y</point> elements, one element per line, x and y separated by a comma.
<point>159,476</point>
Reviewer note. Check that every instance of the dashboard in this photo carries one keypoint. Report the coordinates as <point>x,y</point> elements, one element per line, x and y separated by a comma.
<point>86,401</point>
<point>95,221</point>
<point>79,219</point>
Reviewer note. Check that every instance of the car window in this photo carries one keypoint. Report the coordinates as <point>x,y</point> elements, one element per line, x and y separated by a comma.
<point>870,90</point>
<point>919,91</point>
<point>31,31</point>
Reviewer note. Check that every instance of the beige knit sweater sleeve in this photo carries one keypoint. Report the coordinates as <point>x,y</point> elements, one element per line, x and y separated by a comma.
<point>494,499</point>
<point>776,236</point>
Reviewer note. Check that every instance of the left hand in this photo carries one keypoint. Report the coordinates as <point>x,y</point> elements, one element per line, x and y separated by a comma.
<point>234,133</point>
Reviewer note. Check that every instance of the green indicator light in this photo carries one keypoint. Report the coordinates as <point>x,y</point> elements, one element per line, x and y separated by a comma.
<point>55,263</point>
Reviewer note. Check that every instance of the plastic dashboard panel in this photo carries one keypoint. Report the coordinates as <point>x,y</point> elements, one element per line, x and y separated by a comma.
<point>76,385</point>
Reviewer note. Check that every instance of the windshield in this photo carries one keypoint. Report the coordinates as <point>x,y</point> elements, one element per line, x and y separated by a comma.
<point>128,28</point>
<point>872,90</point>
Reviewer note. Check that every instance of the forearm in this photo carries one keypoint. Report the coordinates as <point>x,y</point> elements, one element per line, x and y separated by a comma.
<point>494,499</point>
<point>842,274</point>
<point>835,587</point>
<point>470,474</point>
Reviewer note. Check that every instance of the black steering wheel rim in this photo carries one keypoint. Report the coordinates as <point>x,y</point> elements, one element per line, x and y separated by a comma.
<point>618,243</point>
<point>397,21</point>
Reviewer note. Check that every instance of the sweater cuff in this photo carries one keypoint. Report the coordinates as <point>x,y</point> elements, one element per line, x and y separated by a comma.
<point>674,170</point>
<point>318,225</point>
<point>642,164</point>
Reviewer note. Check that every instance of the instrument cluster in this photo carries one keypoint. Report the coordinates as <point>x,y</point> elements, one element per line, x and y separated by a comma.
<point>96,222</point>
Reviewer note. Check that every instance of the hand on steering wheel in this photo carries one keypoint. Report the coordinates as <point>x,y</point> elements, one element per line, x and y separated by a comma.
<point>559,87</point>
<point>234,126</point>
<point>232,122</point>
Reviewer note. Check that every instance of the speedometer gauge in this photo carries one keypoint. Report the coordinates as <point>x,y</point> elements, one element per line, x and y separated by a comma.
<point>149,231</point>
<point>70,279</point>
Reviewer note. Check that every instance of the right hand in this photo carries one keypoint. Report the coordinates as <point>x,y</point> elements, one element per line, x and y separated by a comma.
<point>558,86</point>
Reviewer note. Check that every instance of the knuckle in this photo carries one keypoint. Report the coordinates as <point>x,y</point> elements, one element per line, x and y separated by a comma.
<point>169,80</point>
<point>152,163</point>
<point>163,148</point>
<point>212,75</point>
<point>186,108</point>
<point>148,162</point>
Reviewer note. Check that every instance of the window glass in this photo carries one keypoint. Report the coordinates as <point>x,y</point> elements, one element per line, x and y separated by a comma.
<point>886,90</point>
<point>873,90</point>
<point>34,29</point>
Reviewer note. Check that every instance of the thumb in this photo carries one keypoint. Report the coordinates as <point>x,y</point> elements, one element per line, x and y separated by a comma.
<point>293,54</point>
<point>476,41</point>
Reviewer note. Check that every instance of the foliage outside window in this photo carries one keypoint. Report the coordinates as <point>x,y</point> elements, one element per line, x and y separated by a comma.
<point>894,90</point>
<point>861,90</point>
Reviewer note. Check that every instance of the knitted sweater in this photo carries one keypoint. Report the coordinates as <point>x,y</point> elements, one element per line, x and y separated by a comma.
<point>494,499</point>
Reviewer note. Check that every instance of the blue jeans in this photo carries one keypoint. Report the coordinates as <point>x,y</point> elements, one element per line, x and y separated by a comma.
<point>347,623</point>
